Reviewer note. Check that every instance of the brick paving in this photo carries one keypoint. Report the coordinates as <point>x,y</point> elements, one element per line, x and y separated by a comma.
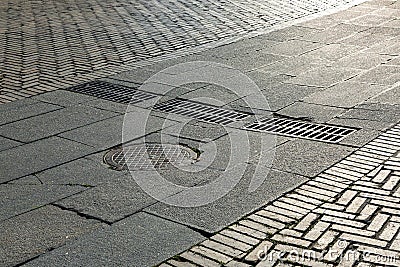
<point>48,45</point>
<point>349,215</point>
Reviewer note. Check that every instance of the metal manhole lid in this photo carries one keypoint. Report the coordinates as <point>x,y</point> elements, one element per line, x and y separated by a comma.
<point>149,156</point>
<point>301,129</point>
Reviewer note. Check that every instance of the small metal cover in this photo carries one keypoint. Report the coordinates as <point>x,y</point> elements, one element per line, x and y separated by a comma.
<point>149,156</point>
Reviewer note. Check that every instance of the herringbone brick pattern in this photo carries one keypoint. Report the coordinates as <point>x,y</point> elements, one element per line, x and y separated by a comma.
<point>349,215</point>
<point>49,44</point>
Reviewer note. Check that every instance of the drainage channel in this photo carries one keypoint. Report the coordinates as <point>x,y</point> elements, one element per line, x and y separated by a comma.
<point>112,92</point>
<point>301,129</point>
<point>200,111</point>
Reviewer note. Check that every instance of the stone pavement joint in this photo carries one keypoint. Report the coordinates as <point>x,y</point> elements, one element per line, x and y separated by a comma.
<point>357,220</point>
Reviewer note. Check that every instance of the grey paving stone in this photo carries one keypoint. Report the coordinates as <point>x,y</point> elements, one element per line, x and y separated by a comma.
<point>63,98</point>
<point>345,94</point>
<point>394,61</point>
<point>295,65</point>
<point>384,74</point>
<point>360,137</point>
<point>288,33</point>
<point>374,112</point>
<point>248,62</point>
<point>370,20</point>
<point>293,48</point>
<point>217,94</point>
<point>111,201</point>
<point>6,143</point>
<point>52,123</point>
<point>109,133</point>
<point>366,38</point>
<point>391,97</point>
<point>255,45</point>
<point>18,198</point>
<point>140,240</point>
<point>90,171</point>
<point>37,156</point>
<point>107,105</point>
<point>333,52</point>
<point>334,33</point>
<point>318,113</point>
<point>388,47</point>
<point>39,231</point>
<point>138,75</point>
<point>197,130</point>
<point>362,60</point>
<point>23,109</point>
<point>278,96</point>
<point>308,158</point>
<point>15,105</point>
<point>345,16</point>
<point>235,204</point>
<point>320,23</point>
<point>324,76</point>
<point>27,180</point>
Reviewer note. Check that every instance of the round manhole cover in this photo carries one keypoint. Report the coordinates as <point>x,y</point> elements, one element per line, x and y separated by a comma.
<point>149,156</point>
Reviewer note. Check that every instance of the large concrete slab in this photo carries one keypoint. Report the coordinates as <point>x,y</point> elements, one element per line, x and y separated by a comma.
<point>308,158</point>
<point>109,132</point>
<point>374,112</point>
<point>37,156</point>
<point>110,201</point>
<point>318,113</point>
<point>278,96</point>
<point>346,94</point>
<point>140,240</point>
<point>52,123</point>
<point>24,108</point>
<point>90,171</point>
<point>235,204</point>
<point>384,74</point>
<point>6,143</point>
<point>324,76</point>
<point>17,198</point>
<point>39,231</point>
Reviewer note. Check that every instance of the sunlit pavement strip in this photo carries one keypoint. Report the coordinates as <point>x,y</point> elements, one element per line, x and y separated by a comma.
<point>347,215</point>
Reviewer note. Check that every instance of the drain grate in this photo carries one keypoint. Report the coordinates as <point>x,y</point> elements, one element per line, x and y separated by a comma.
<point>200,111</point>
<point>149,156</point>
<point>112,92</point>
<point>296,128</point>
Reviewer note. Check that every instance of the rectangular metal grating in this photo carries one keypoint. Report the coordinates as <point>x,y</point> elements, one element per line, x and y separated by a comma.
<point>297,128</point>
<point>200,111</point>
<point>113,92</point>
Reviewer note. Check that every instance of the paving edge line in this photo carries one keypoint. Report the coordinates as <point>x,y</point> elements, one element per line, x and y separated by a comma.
<point>352,207</point>
<point>49,86</point>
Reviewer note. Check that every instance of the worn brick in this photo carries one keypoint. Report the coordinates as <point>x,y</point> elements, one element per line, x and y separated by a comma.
<point>262,248</point>
<point>317,231</point>
<point>291,240</point>
<point>364,240</point>
<point>389,231</point>
<point>306,222</point>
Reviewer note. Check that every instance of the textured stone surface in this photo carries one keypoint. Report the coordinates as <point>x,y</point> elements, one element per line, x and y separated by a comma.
<point>38,231</point>
<point>140,240</point>
<point>39,155</point>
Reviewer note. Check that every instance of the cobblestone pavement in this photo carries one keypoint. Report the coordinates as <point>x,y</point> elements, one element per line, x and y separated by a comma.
<point>348,215</point>
<point>48,44</point>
